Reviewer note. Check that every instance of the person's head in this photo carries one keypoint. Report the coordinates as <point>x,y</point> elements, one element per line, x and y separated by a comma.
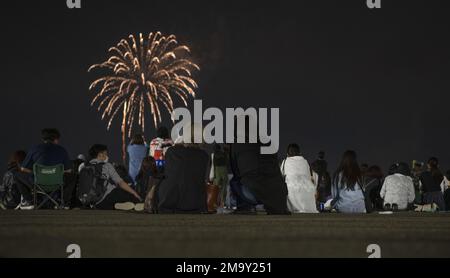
<point>374,172</point>
<point>447,175</point>
<point>162,132</point>
<point>393,169</point>
<point>433,163</point>
<point>149,166</point>
<point>417,166</point>
<point>364,167</point>
<point>321,155</point>
<point>293,150</point>
<point>99,152</point>
<point>138,139</point>
<point>403,169</point>
<point>81,157</point>
<point>17,157</point>
<point>349,168</point>
<point>50,135</point>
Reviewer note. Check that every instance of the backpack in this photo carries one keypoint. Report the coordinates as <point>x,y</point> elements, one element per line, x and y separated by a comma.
<point>10,195</point>
<point>91,184</point>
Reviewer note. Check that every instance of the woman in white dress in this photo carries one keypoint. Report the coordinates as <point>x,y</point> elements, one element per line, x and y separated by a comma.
<point>302,191</point>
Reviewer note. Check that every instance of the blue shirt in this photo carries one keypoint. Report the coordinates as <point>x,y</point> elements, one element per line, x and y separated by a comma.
<point>47,154</point>
<point>136,154</point>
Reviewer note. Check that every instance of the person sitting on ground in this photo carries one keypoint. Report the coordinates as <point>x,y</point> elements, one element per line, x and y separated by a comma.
<point>9,193</point>
<point>183,189</point>
<point>147,177</point>
<point>160,145</point>
<point>301,189</point>
<point>372,183</point>
<point>431,185</point>
<point>219,172</point>
<point>447,191</point>
<point>347,193</point>
<point>49,153</point>
<point>398,189</point>
<point>117,193</point>
<point>137,151</point>
<point>416,172</point>
<point>322,180</point>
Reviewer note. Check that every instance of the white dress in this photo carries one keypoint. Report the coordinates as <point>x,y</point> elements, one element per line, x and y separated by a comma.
<point>302,191</point>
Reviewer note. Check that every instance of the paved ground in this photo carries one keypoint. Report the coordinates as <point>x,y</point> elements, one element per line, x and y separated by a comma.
<point>122,234</point>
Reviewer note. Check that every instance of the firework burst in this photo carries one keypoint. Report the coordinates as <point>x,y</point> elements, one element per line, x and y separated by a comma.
<point>143,72</point>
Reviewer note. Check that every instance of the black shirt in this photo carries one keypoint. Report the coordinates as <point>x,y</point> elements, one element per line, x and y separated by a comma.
<point>430,183</point>
<point>47,154</point>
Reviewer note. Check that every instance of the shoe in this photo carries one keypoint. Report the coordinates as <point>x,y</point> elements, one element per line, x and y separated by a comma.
<point>2,206</point>
<point>124,206</point>
<point>387,207</point>
<point>394,207</point>
<point>139,207</point>
<point>26,206</point>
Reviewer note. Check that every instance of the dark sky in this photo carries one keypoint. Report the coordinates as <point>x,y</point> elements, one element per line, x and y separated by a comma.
<point>343,76</point>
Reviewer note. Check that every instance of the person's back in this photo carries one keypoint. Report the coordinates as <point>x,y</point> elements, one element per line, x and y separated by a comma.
<point>301,189</point>
<point>262,175</point>
<point>351,200</point>
<point>136,154</point>
<point>429,184</point>
<point>347,188</point>
<point>183,189</point>
<point>398,189</point>
<point>47,154</point>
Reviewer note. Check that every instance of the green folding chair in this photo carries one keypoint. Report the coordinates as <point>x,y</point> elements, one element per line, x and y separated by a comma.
<point>48,180</point>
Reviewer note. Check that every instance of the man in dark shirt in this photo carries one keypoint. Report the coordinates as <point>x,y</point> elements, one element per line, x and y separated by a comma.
<point>49,153</point>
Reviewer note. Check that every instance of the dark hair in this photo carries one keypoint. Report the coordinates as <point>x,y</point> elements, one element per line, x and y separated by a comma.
<point>149,165</point>
<point>16,159</point>
<point>365,165</point>
<point>96,149</point>
<point>138,139</point>
<point>447,175</point>
<point>321,155</point>
<point>433,163</point>
<point>162,132</point>
<point>403,169</point>
<point>50,134</point>
<point>293,150</point>
<point>374,172</point>
<point>393,169</point>
<point>349,168</point>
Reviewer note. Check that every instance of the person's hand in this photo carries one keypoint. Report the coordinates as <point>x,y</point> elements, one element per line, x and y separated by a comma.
<point>137,196</point>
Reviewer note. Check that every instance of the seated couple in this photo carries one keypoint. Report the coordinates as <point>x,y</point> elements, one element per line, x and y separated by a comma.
<point>257,180</point>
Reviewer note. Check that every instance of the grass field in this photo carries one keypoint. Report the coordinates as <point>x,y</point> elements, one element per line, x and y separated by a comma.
<point>125,234</point>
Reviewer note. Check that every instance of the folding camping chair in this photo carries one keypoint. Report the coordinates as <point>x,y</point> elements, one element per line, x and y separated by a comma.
<point>47,181</point>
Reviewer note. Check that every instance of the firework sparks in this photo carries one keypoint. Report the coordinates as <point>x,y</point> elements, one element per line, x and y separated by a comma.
<point>143,72</point>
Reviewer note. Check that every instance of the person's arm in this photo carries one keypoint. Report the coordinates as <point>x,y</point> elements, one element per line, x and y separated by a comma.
<point>26,170</point>
<point>119,181</point>
<point>383,189</point>
<point>125,186</point>
<point>411,193</point>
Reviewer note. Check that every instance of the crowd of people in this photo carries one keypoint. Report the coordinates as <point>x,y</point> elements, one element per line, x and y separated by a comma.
<point>182,177</point>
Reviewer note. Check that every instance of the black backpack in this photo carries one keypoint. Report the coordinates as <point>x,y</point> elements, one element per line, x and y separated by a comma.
<point>91,184</point>
<point>9,193</point>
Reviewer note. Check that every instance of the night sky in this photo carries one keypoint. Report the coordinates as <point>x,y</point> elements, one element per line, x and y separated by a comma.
<point>343,76</point>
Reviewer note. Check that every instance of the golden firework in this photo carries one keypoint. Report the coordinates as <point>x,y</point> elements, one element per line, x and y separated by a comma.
<point>143,72</point>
